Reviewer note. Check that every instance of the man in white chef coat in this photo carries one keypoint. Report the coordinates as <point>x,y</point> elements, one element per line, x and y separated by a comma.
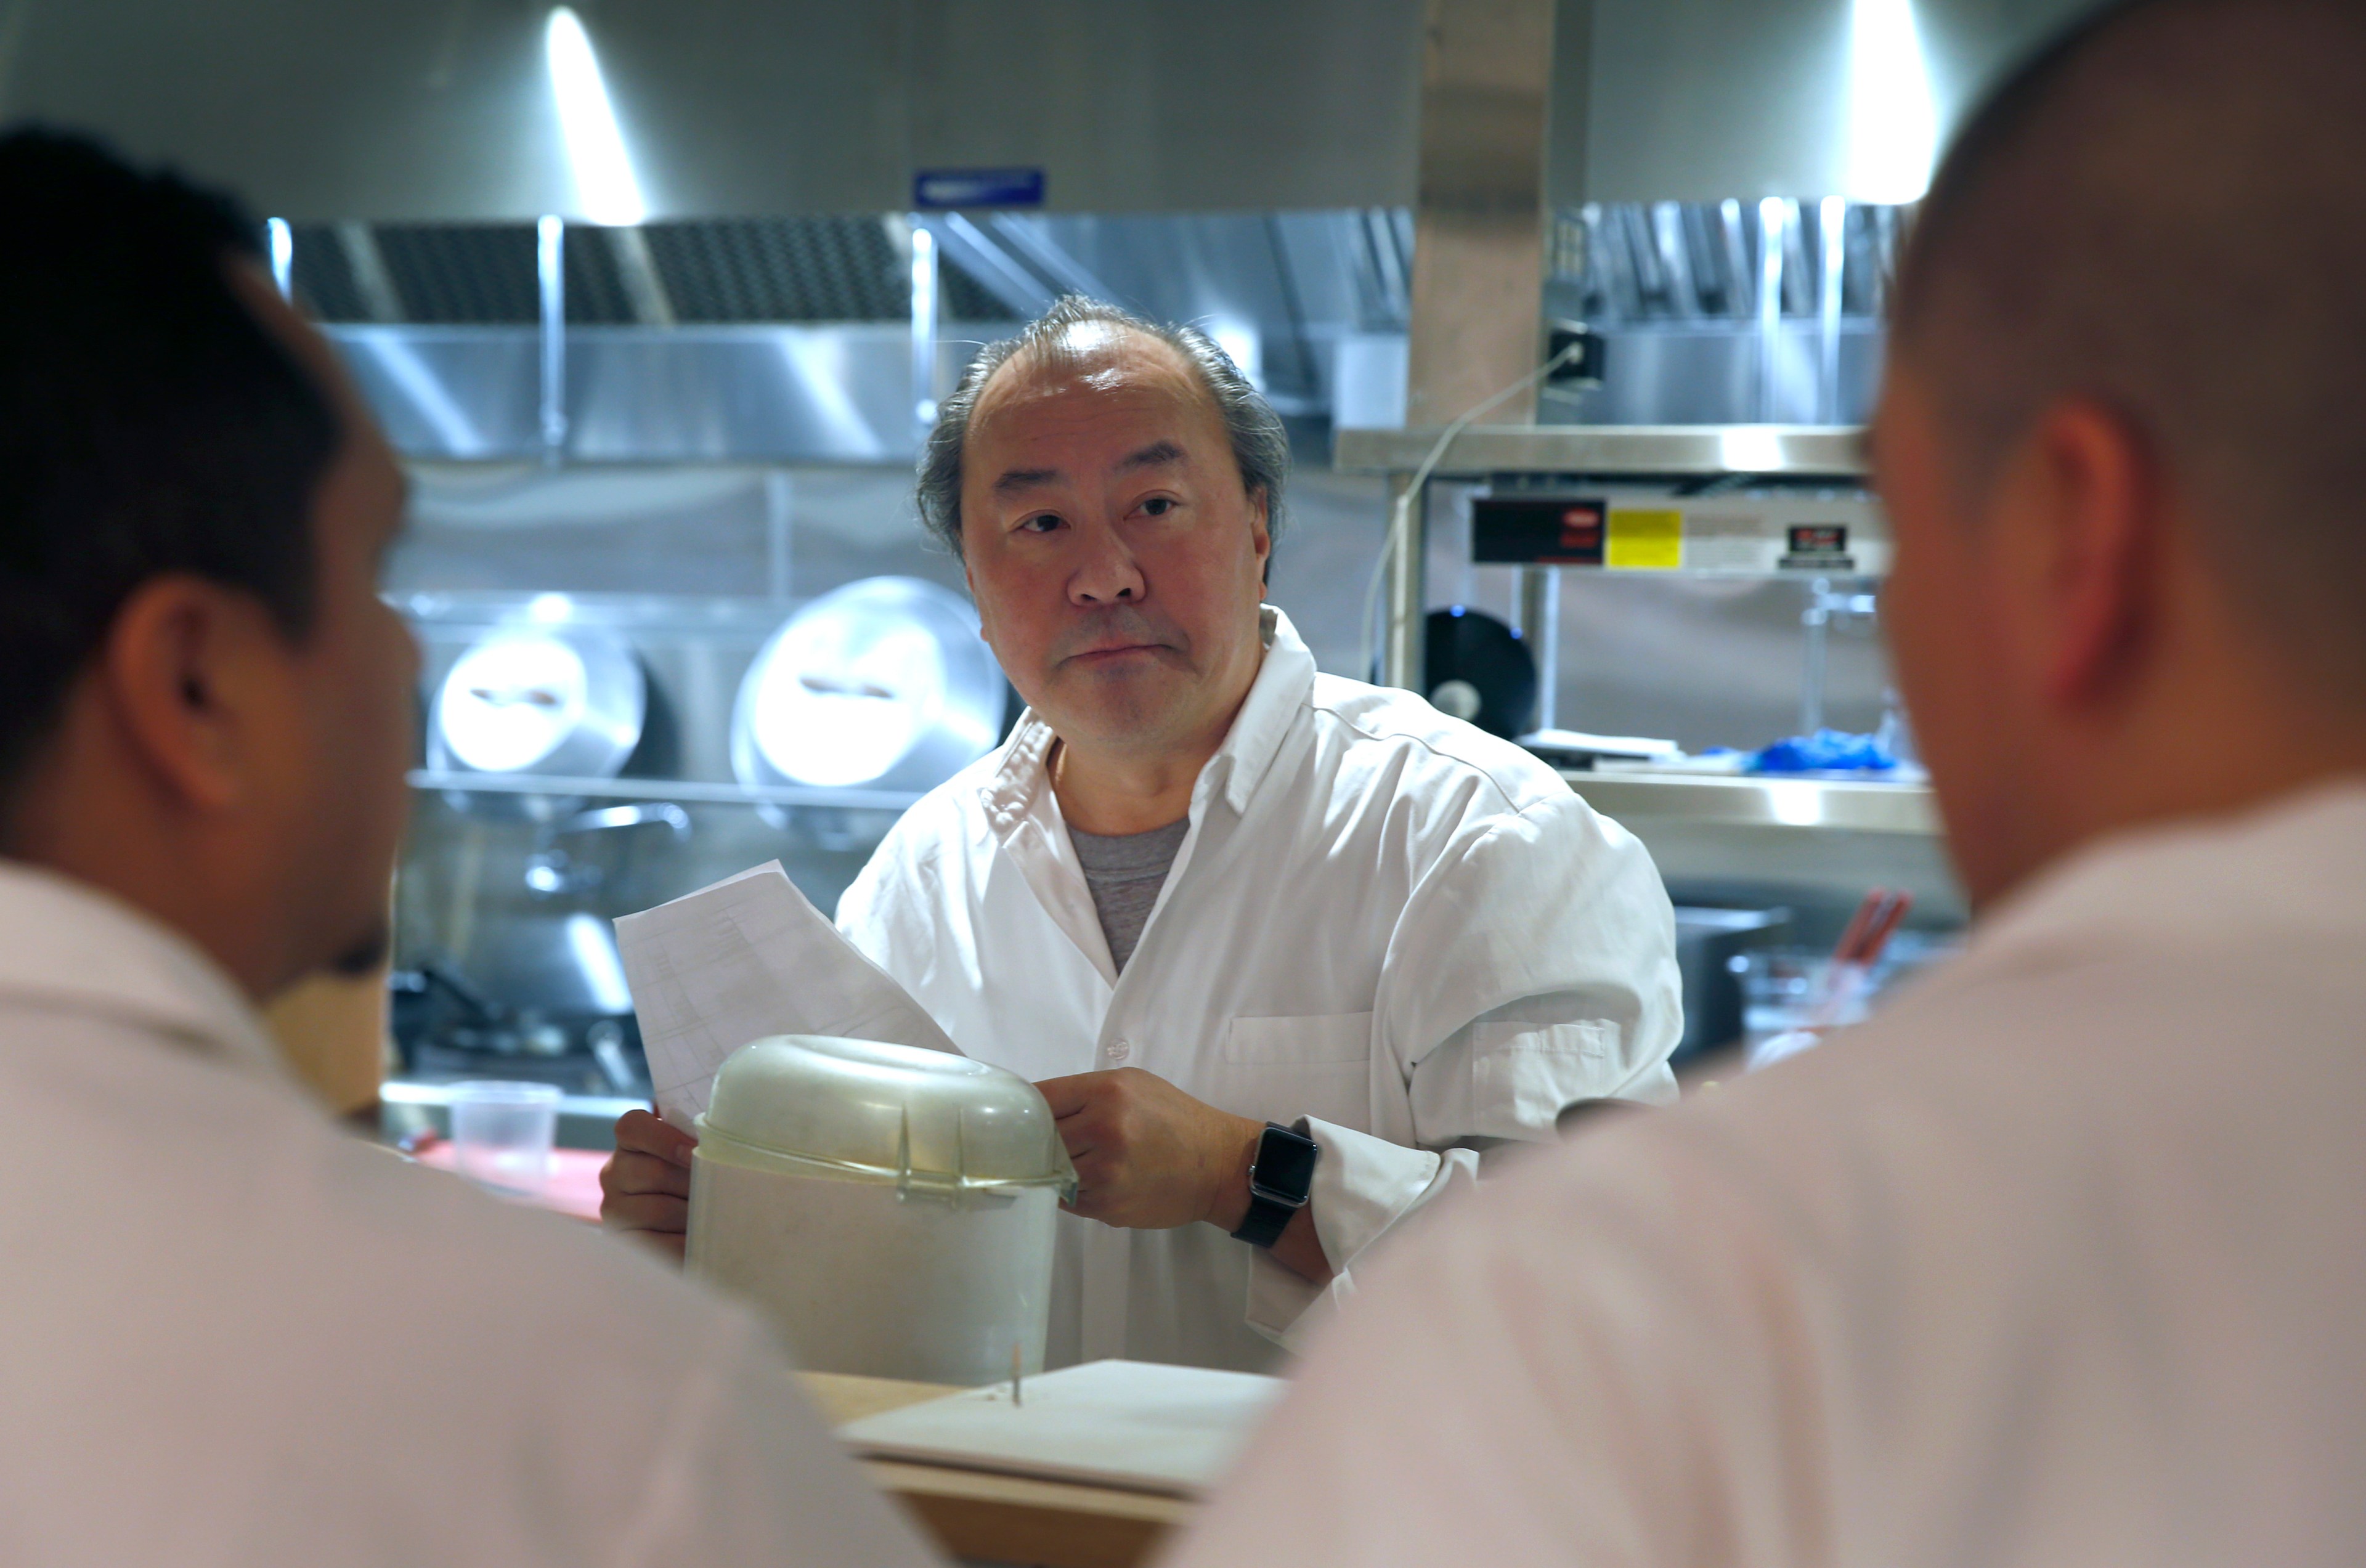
<point>236,1333</point>
<point>1285,951</point>
<point>2061,1260</point>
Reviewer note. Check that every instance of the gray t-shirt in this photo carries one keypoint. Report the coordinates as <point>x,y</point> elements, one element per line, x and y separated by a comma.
<point>1125,871</point>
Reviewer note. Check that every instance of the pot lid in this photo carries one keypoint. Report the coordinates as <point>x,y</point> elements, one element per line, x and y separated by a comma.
<point>869,1109</point>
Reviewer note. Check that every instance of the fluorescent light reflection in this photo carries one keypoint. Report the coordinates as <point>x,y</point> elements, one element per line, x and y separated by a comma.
<point>605,185</point>
<point>424,389</point>
<point>1893,122</point>
<point>1794,802</point>
<point>597,960</point>
<point>1244,346</point>
<point>283,255</point>
<point>1749,449</point>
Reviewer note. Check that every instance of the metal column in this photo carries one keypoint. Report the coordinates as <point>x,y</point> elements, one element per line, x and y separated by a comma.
<point>550,271</point>
<point>1478,271</point>
<point>1540,629</point>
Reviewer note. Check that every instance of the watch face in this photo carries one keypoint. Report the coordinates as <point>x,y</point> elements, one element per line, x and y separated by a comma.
<point>1285,1162</point>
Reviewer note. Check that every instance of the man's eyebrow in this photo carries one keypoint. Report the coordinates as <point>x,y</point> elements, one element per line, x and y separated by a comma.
<point>1152,456</point>
<point>1024,478</point>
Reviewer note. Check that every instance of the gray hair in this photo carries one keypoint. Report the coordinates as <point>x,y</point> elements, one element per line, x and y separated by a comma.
<point>1260,444</point>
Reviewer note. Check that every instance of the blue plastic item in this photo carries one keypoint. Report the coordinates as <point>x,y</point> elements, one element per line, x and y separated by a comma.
<point>1825,751</point>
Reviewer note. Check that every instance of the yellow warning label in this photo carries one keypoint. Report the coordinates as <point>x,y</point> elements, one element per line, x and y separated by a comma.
<point>1646,541</point>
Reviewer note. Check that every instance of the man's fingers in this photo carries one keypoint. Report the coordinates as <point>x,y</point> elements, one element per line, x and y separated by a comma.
<point>625,1174</point>
<point>1069,1095</point>
<point>643,1132</point>
<point>645,1211</point>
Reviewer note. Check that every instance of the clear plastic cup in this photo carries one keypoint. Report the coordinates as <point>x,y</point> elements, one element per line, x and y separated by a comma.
<point>502,1135</point>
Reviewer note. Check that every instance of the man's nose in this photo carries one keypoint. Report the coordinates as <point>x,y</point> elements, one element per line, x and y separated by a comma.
<point>1107,574</point>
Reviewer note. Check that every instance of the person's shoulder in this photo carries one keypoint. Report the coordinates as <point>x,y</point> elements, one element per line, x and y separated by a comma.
<point>932,839</point>
<point>519,1373</point>
<point>952,811</point>
<point>496,1279</point>
<point>1387,733</point>
<point>1979,1090</point>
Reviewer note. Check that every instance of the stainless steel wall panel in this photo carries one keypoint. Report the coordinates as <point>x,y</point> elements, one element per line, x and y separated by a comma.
<point>839,393</point>
<point>1708,375</point>
<point>469,392</point>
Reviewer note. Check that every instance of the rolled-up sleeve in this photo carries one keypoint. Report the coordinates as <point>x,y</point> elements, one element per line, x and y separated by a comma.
<point>1532,969</point>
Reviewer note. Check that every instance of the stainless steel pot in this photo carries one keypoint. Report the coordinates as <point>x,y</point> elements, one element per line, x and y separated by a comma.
<point>552,700</point>
<point>883,684</point>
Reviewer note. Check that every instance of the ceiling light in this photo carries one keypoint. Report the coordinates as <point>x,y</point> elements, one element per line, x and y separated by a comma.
<point>604,185</point>
<point>1893,123</point>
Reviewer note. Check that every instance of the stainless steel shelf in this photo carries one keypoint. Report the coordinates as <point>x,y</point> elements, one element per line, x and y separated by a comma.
<point>1725,800</point>
<point>1837,451</point>
<point>695,791</point>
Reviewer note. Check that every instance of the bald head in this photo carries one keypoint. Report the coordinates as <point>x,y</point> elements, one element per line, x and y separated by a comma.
<point>2166,213</point>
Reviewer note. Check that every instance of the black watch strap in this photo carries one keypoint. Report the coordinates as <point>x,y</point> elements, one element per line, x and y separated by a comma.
<point>1280,1180</point>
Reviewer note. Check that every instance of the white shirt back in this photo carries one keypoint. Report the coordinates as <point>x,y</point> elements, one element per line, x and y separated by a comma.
<point>2059,1261</point>
<point>237,1336</point>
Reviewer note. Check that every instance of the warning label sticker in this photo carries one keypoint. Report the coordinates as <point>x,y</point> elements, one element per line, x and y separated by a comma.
<point>1645,541</point>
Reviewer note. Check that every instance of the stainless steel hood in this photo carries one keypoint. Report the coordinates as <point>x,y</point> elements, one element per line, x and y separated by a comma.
<point>791,339</point>
<point>445,110</point>
<point>419,110</point>
<point>1701,100</point>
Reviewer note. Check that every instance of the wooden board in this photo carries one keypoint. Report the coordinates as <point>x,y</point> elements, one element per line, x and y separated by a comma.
<point>1003,1518</point>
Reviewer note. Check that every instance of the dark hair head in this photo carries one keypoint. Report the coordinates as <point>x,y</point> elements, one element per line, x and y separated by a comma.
<point>1260,443</point>
<point>2165,211</point>
<point>150,422</point>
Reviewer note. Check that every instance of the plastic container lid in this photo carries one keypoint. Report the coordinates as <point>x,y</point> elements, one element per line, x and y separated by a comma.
<point>867,1110</point>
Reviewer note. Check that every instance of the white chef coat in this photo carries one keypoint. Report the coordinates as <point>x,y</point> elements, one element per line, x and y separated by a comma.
<point>1406,932</point>
<point>2061,1260</point>
<point>237,1336</point>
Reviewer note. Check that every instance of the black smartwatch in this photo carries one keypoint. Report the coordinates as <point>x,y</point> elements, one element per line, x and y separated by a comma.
<point>1280,1180</point>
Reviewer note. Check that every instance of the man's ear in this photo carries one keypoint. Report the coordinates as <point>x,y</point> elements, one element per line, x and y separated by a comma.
<point>2088,495</point>
<point>182,668</point>
<point>1261,532</point>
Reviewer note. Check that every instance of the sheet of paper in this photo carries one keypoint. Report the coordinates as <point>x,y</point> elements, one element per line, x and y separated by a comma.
<point>745,958</point>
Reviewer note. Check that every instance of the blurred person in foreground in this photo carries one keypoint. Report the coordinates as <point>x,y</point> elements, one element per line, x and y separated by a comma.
<point>1227,911</point>
<point>2060,1260</point>
<point>235,1333</point>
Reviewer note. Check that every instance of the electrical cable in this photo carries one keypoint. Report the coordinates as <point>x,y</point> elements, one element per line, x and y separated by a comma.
<point>1400,514</point>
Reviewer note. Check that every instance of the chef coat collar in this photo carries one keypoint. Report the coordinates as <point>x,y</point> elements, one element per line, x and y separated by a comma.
<point>1284,681</point>
<point>70,947</point>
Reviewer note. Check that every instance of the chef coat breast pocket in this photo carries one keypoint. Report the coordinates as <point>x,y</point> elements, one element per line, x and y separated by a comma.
<point>1281,1068</point>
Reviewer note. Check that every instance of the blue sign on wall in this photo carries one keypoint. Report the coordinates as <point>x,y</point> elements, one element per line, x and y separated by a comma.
<point>933,189</point>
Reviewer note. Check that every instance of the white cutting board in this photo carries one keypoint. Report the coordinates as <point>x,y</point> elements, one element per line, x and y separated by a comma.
<point>1132,1423</point>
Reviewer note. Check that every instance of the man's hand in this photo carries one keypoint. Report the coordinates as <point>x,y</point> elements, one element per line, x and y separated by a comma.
<point>645,1186</point>
<point>1149,1156</point>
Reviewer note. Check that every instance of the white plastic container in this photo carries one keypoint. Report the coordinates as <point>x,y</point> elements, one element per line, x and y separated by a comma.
<point>891,1209</point>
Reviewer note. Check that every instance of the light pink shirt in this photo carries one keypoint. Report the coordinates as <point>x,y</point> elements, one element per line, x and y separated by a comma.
<point>235,1336</point>
<point>2060,1261</point>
